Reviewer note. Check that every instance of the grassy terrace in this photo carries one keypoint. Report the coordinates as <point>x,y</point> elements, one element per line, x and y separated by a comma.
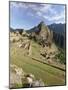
<point>49,75</point>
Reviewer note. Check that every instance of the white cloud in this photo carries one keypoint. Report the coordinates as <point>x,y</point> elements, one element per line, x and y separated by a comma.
<point>39,13</point>
<point>30,14</point>
<point>54,16</point>
<point>46,17</point>
<point>44,11</point>
<point>18,5</point>
<point>45,8</point>
<point>57,17</point>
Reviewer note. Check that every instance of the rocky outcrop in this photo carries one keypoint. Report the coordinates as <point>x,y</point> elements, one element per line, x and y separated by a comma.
<point>44,35</point>
<point>18,78</point>
<point>16,75</point>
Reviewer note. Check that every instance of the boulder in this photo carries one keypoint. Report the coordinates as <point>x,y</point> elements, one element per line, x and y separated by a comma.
<point>38,83</point>
<point>16,75</point>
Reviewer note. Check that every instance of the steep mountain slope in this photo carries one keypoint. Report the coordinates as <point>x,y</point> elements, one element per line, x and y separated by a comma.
<point>36,53</point>
<point>46,68</point>
<point>59,28</point>
<point>46,34</point>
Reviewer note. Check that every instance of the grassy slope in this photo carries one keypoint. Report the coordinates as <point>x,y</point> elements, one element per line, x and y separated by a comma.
<point>50,75</point>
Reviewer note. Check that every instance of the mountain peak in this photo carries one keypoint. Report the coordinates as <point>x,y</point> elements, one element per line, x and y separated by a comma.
<point>42,23</point>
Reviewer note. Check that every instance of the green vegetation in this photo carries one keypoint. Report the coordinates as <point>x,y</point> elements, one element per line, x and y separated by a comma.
<point>61,57</point>
<point>17,86</point>
<point>48,74</point>
<point>38,53</point>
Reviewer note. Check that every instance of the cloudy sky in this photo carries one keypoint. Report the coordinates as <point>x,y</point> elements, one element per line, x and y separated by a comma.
<point>27,15</point>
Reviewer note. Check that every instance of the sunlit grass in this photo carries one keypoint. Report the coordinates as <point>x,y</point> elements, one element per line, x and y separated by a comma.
<point>50,75</point>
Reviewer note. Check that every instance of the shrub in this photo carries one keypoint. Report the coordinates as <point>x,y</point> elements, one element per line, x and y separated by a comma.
<point>61,57</point>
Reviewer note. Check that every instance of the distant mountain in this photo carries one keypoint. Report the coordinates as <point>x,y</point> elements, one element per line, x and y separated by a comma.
<point>46,34</point>
<point>14,30</point>
<point>60,28</point>
<point>49,33</point>
<point>11,29</point>
<point>41,34</point>
<point>59,31</point>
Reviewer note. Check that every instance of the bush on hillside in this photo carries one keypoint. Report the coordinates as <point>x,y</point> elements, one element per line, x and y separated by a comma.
<point>61,57</point>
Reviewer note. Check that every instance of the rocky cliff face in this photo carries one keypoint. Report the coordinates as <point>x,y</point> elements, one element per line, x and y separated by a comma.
<point>59,31</point>
<point>59,39</point>
<point>45,35</point>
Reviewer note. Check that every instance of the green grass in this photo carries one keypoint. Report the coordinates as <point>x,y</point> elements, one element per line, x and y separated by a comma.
<point>17,86</point>
<point>50,75</point>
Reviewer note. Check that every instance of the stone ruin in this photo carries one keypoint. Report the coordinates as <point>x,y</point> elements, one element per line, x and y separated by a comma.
<point>22,42</point>
<point>26,45</point>
<point>18,78</point>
